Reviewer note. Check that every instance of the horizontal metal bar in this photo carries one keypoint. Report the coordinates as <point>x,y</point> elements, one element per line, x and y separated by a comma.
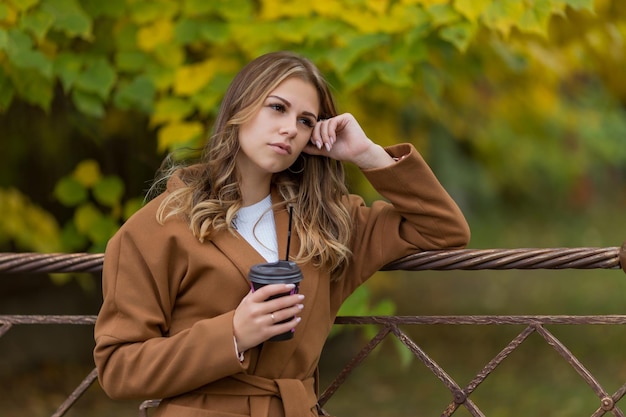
<point>456,259</point>
<point>383,320</point>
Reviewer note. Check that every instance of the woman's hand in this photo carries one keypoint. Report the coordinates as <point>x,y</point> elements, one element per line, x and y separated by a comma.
<point>257,320</point>
<point>342,138</point>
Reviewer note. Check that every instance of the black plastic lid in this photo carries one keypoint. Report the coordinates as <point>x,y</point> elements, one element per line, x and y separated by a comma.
<point>286,272</point>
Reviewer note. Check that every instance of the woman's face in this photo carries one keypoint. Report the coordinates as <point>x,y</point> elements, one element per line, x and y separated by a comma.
<point>271,141</point>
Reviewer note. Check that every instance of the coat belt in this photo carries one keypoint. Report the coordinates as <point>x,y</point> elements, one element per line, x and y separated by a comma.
<point>298,397</point>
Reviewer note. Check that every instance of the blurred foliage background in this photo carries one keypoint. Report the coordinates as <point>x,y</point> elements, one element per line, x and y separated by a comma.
<point>518,105</point>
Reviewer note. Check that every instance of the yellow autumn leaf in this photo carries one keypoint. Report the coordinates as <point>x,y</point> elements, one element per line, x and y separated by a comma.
<point>426,3</point>
<point>378,6</point>
<point>471,9</point>
<point>364,20</point>
<point>402,18</point>
<point>191,78</point>
<point>543,99</point>
<point>332,8</point>
<point>535,19</point>
<point>504,14</point>
<point>87,172</point>
<point>169,110</point>
<point>275,9</point>
<point>9,14</point>
<point>157,33</point>
<point>173,135</point>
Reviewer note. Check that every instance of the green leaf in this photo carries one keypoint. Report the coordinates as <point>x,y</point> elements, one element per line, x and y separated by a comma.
<point>33,87</point>
<point>60,278</point>
<point>356,304</point>
<point>198,7</point>
<point>131,207</point>
<point>459,34</point>
<point>406,356</point>
<point>215,32</point>
<point>234,10</point>
<point>24,5</point>
<point>70,192</point>
<point>99,78</point>
<point>169,54</point>
<point>580,4</point>
<point>85,217</point>
<point>109,8</point>
<point>69,17</point>
<point>139,93</point>
<point>432,82</point>
<point>394,73</point>
<point>384,307</point>
<point>71,239</point>
<point>536,18</point>
<point>21,54</point>
<point>292,30</point>
<point>108,191</point>
<point>37,22</point>
<point>443,14</point>
<point>87,103</point>
<point>343,58</point>
<point>68,67</point>
<point>131,61</point>
<point>188,30</point>
<point>162,77</point>
<point>102,229</point>
<point>125,36</point>
<point>358,75</point>
<point>324,28</point>
<point>147,11</point>
<point>502,15</point>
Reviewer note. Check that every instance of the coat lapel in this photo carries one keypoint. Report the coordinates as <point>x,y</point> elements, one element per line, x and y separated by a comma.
<point>243,255</point>
<point>238,251</point>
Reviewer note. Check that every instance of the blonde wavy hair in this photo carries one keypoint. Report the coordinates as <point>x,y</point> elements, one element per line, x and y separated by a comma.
<point>316,190</point>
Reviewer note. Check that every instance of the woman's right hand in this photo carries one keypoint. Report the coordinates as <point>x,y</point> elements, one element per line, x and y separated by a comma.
<point>257,319</point>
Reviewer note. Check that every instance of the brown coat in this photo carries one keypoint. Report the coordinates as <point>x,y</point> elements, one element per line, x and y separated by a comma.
<point>165,329</point>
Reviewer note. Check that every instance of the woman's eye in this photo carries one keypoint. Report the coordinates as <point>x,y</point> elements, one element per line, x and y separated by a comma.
<point>277,107</point>
<point>307,122</point>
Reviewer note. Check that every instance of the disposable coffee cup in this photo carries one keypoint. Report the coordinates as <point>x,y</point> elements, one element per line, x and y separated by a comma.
<point>280,272</point>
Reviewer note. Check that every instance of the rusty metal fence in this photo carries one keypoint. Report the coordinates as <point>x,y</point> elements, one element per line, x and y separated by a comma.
<point>466,259</point>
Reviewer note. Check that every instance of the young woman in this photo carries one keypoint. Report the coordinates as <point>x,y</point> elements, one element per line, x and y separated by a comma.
<point>179,321</point>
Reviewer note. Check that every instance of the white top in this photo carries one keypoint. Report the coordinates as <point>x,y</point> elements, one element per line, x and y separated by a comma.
<point>256,224</point>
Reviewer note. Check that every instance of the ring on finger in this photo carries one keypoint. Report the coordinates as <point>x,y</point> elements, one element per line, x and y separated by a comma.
<point>273,318</point>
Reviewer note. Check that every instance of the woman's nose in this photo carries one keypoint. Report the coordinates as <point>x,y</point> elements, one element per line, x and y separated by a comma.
<point>289,128</point>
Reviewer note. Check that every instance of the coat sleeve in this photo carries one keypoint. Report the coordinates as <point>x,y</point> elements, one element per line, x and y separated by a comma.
<point>418,215</point>
<point>135,354</point>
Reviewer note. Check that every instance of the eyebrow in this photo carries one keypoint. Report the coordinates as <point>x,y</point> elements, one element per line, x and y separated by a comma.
<point>288,104</point>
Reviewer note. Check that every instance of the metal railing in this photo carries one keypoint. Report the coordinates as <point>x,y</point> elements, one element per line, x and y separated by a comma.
<point>466,259</point>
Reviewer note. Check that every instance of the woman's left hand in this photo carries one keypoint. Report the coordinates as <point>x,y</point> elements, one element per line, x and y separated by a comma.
<point>342,138</point>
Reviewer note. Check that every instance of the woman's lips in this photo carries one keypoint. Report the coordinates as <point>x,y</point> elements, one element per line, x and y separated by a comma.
<point>281,148</point>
